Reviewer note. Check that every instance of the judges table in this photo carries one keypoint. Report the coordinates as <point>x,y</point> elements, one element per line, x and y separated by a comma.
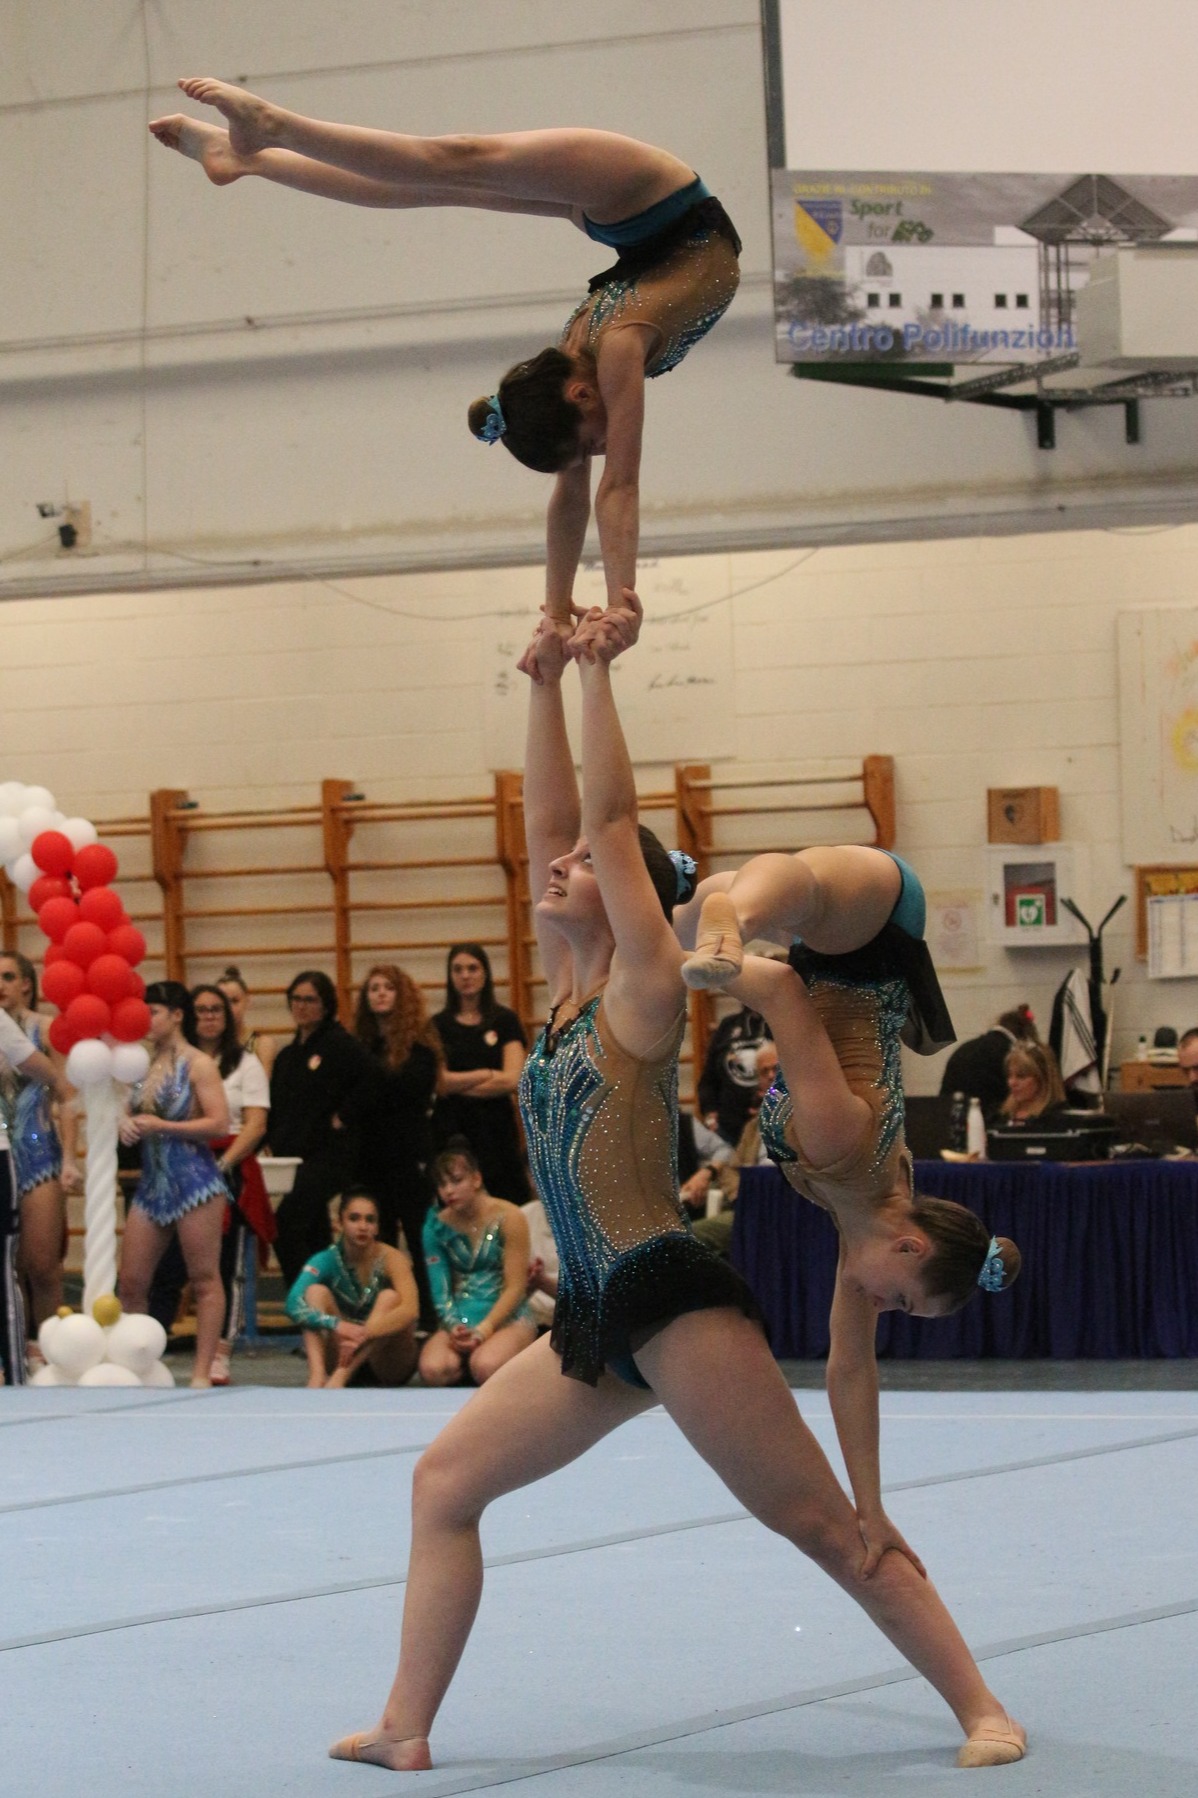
<point>1110,1263</point>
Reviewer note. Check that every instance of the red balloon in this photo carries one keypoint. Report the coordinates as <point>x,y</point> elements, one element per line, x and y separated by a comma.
<point>56,917</point>
<point>87,1016</point>
<point>62,1037</point>
<point>83,942</point>
<point>53,852</point>
<point>100,905</point>
<point>55,953</point>
<point>95,866</point>
<point>62,982</point>
<point>130,1020</point>
<point>45,888</point>
<point>128,941</point>
<point>137,986</point>
<point>109,977</point>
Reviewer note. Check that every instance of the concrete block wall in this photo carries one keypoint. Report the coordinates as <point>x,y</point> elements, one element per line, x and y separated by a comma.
<point>979,663</point>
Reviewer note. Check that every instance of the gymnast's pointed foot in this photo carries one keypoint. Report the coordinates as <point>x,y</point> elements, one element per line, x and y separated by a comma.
<point>407,1754</point>
<point>254,124</point>
<point>206,144</point>
<point>718,955</point>
<point>995,1742</point>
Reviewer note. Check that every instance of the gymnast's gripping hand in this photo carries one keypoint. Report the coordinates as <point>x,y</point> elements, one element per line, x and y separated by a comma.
<point>878,1535</point>
<point>603,635</point>
<point>548,652</point>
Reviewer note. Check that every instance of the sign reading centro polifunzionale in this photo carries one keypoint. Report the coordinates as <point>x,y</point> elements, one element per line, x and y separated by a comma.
<point>894,266</point>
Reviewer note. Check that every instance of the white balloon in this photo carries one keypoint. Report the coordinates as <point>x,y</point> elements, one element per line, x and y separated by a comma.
<point>81,831</point>
<point>33,820</point>
<point>41,797</point>
<point>23,872</point>
<point>89,1063</point>
<point>108,1373</point>
<point>76,1345</point>
<point>130,1062</point>
<point>12,798</point>
<point>50,1376</point>
<point>46,1335</point>
<point>136,1342</point>
<point>159,1374</point>
<point>10,838</point>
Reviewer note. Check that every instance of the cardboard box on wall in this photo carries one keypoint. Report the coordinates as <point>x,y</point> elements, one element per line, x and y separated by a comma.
<point>1023,814</point>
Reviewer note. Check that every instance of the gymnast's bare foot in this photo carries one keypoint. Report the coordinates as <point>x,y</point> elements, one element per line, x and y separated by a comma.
<point>254,124</point>
<point>994,1742</point>
<point>407,1754</point>
<point>206,144</point>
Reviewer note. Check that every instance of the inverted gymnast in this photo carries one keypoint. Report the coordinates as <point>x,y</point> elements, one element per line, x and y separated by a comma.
<point>645,1315</point>
<point>675,277</point>
<point>859,980</point>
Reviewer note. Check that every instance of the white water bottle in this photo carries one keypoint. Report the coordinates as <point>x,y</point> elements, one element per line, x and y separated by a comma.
<point>1142,1048</point>
<point>975,1131</point>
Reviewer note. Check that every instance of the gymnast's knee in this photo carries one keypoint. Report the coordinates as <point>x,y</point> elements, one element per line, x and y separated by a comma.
<point>443,1492</point>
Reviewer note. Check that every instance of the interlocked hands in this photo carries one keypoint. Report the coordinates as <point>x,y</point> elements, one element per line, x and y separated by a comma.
<point>593,634</point>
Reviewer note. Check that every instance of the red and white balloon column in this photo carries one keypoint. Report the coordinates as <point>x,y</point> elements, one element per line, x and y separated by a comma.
<point>91,976</point>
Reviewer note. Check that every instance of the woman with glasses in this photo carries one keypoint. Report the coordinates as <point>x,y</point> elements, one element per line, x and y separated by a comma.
<point>320,1088</point>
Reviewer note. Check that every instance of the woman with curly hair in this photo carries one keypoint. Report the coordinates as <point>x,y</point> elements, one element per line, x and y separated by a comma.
<point>676,273</point>
<point>393,1026</point>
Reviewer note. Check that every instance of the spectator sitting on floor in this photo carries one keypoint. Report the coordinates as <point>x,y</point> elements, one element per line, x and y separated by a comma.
<point>1034,1087</point>
<point>476,1250</point>
<point>356,1302</point>
<point>978,1068</point>
<point>716,1231</point>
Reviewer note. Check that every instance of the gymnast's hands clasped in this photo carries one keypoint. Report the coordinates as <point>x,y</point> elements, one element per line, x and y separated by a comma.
<point>590,634</point>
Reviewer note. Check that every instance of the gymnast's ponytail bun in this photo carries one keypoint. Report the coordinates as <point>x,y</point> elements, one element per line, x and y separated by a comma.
<point>964,1257</point>
<point>531,414</point>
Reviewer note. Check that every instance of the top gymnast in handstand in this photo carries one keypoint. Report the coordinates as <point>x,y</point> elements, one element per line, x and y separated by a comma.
<point>645,1315</point>
<point>676,274</point>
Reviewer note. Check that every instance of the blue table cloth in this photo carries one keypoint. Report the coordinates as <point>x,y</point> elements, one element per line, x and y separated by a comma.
<point>1110,1263</point>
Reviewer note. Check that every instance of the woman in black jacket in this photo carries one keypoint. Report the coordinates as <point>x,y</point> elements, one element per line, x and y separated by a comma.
<point>392,1025</point>
<point>320,1089</point>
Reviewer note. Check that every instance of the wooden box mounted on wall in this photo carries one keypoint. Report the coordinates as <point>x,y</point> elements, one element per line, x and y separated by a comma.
<point>1023,814</point>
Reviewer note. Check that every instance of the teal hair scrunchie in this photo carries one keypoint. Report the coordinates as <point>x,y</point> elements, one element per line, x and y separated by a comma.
<point>495,424</point>
<point>993,1272</point>
<point>685,869</point>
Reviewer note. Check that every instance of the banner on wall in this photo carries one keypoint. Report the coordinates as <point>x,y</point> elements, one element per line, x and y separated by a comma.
<point>903,267</point>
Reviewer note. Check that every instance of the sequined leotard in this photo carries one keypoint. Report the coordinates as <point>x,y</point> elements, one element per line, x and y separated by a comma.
<point>355,1297</point>
<point>601,1138</point>
<point>176,1174</point>
<point>869,1002</point>
<point>679,279</point>
<point>33,1140</point>
<point>466,1277</point>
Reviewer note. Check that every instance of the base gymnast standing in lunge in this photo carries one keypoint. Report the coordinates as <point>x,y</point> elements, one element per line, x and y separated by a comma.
<point>675,276</point>
<point>645,1315</point>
